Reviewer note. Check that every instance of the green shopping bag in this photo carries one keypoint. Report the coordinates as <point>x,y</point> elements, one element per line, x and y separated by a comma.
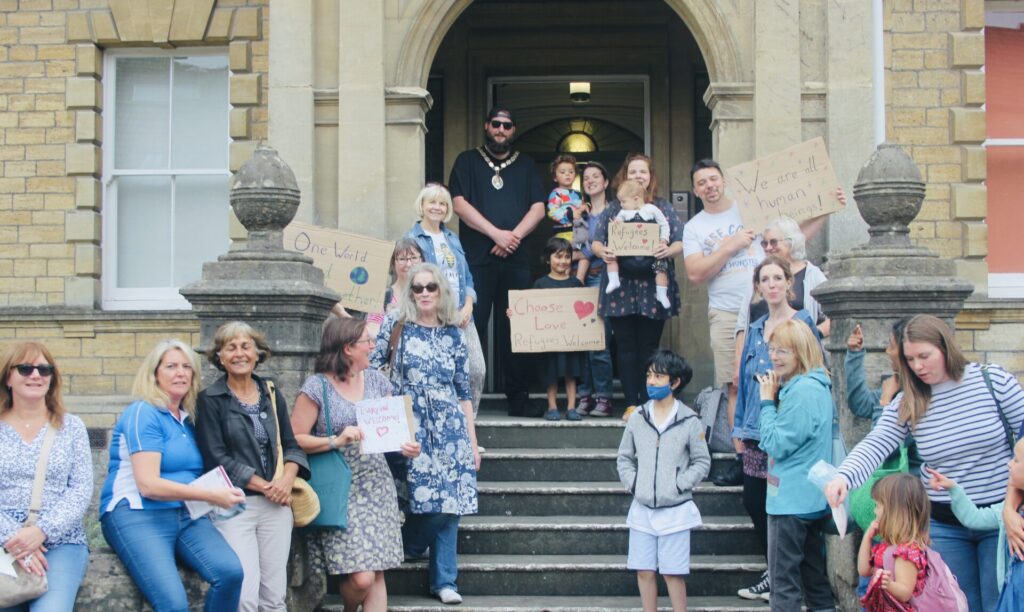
<point>862,507</point>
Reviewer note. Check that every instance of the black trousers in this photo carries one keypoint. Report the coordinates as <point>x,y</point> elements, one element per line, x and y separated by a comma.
<point>492,283</point>
<point>755,492</point>
<point>636,339</point>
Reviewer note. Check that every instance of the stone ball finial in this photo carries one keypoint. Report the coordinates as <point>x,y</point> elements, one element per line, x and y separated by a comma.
<point>264,196</point>
<point>889,193</point>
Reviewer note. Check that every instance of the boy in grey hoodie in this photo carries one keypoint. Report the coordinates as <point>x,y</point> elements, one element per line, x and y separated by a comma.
<point>662,456</point>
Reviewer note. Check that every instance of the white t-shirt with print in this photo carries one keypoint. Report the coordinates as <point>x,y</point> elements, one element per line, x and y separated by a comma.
<point>704,234</point>
<point>446,260</point>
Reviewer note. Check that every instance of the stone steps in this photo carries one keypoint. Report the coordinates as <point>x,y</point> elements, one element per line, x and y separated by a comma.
<point>574,464</point>
<point>528,498</point>
<point>502,603</point>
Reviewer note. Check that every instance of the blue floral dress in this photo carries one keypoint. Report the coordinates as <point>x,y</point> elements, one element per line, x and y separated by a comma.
<point>431,368</point>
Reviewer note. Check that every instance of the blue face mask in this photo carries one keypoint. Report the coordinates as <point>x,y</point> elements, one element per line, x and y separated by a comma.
<point>658,393</point>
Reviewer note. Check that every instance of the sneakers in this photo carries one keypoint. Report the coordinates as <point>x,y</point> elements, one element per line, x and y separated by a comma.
<point>761,590</point>
<point>732,477</point>
<point>449,596</point>
<point>585,405</point>
<point>603,407</point>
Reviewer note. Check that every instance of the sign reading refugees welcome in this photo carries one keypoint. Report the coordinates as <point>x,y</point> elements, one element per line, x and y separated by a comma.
<point>546,320</point>
<point>631,238</point>
<point>797,182</point>
<point>355,266</point>
<point>386,422</point>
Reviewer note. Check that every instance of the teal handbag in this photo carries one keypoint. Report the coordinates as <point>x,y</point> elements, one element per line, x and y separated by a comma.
<point>331,478</point>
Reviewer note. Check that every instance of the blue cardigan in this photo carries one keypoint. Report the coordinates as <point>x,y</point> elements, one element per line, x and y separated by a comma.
<point>423,239</point>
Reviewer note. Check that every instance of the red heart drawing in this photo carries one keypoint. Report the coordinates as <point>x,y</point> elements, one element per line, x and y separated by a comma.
<point>643,241</point>
<point>639,225</point>
<point>383,429</point>
<point>583,308</point>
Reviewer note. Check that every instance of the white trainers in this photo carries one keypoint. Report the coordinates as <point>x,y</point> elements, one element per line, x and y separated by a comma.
<point>761,590</point>
<point>449,596</point>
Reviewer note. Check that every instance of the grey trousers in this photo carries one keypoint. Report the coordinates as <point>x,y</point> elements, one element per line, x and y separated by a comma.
<point>261,537</point>
<point>796,565</point>
<point>476,363</point>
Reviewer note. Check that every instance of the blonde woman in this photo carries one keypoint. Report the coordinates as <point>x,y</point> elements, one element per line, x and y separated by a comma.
<point>440,246</point>
<point>54,546</point>
<point>153,458</point>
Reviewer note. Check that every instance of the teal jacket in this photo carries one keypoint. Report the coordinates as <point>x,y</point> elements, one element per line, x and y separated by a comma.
<point>983,519</point>
<point>796,435</point>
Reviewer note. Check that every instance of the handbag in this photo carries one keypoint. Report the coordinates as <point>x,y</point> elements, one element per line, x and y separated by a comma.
<point>25,586</point>
<point>305,503</point>
<point>331,478</point>
<point>862,506</point>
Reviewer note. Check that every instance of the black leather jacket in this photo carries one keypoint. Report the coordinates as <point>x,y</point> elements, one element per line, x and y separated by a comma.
<point>226,437</point>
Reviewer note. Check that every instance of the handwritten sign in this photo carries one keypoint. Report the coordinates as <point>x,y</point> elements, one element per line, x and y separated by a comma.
<point>632,238</point>
<point>386,423</point>
<point>545,320</point>
<point>355,266</point>
<point>797,182</point>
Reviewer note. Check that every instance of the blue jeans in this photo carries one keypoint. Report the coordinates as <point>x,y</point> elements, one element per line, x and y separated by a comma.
<point>68,563</point>
<point>971,556</point>
<point>597,372</point>
<point>439,532</point>
<point>149,541</point>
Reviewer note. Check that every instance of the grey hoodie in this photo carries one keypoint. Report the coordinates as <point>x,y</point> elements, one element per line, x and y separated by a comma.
<point>661,469</point>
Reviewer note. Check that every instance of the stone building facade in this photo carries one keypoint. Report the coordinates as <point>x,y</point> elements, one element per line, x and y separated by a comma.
<point>346,92</point>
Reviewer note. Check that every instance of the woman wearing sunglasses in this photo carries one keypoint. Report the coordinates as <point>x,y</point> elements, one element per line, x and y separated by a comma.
<point>430,366</point>
<point>53,544</point>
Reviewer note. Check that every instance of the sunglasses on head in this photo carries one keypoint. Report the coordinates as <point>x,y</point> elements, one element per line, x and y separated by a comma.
<point>774,242</point>
<point>507,125</point>
<point>429,287</point>
<point>25,369</point>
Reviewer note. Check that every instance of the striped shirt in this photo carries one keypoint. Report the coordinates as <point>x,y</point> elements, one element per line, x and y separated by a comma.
<point>961,435</point>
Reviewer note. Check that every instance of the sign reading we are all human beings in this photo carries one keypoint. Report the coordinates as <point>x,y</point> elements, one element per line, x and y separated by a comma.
<point>547,320</point>
<point>798,182</point>
<point>355,266</point>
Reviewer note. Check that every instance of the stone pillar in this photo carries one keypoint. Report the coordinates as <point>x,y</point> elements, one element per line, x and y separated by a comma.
<point>874,285</point>
<point>278,292</point>
<point>406,128</point>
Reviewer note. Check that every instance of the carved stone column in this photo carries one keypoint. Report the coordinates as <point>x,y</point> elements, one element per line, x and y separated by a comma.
<point>874,285</point>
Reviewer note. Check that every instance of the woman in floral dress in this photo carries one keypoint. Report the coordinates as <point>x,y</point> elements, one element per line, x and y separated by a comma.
<point>430,366</point>
<point>372,542</point>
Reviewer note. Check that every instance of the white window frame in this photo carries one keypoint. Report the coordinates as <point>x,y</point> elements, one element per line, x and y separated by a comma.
<point>148,298</point>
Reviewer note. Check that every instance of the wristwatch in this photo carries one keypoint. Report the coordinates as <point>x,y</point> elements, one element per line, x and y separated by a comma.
<point>332,442</point>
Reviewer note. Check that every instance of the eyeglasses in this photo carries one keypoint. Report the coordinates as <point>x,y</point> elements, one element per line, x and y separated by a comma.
<point>781,352</point>
<point>774,242</point>
<point>508,126</point>
<point>365,341</point>
<point>25,369</point>
<point>429,288</point>
<point>410,259</point>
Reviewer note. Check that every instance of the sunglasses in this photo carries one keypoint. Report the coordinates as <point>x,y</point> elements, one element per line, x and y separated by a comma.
<point>508,126</point>
<point>774,242</point>
<point>429,287</point>
<point>25,369</point>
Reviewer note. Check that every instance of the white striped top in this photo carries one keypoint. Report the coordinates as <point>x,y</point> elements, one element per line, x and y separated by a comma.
<point>961,436</point>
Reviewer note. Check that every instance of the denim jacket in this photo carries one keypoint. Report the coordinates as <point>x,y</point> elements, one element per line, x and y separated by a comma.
<point>754,360</point>
<point>423,239</point>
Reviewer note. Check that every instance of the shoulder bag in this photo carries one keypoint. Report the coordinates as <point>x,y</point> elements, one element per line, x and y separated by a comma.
<point>1011,439</point>
<point>330,476</point>
<point>305,503</point>
<point>26,586</point>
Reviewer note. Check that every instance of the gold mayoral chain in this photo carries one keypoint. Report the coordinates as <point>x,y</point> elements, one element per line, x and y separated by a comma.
<point>496,179</point>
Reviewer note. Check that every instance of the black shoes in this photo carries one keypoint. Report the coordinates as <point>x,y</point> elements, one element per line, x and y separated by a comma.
<point>732,477</point>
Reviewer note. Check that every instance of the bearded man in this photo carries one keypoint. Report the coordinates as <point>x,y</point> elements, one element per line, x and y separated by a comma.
<point>499,198</point>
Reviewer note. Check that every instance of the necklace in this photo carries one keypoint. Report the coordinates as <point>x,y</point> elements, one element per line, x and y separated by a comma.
<point>496,180</point>
<point>28,424</point>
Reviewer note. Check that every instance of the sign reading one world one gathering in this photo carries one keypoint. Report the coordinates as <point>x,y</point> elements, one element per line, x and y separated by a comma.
<point>797,182</point>
<point>355,266</point>
<point>545,320</point>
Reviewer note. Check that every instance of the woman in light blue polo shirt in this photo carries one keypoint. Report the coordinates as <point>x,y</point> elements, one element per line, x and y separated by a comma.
<point>153,458</point>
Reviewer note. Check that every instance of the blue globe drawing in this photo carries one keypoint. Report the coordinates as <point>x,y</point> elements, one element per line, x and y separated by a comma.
<point>359,275</point>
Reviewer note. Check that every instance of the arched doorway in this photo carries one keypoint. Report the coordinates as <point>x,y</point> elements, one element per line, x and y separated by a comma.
<point>644,66</point>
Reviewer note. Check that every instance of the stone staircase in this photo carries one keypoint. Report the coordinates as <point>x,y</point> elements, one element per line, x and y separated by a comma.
<point>551,533</point>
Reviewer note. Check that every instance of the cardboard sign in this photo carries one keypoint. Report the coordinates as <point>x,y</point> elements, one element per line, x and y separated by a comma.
<point>630,238</point>
<point>386,423</point>
<point>550,320</point>
<point>797,182</point>
<point>355,266</point>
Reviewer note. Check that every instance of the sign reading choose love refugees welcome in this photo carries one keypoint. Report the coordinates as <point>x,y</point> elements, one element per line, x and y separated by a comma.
<point>545,320</point>
<point>355,266</point>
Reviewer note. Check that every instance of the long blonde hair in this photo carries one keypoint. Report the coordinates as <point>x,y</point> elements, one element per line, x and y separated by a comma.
<point>26,352</point>
<point>145,386</point>
<point>447,312</point>
<point>906,510</point>
<point>917,395</point>
<point>797,337</point>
